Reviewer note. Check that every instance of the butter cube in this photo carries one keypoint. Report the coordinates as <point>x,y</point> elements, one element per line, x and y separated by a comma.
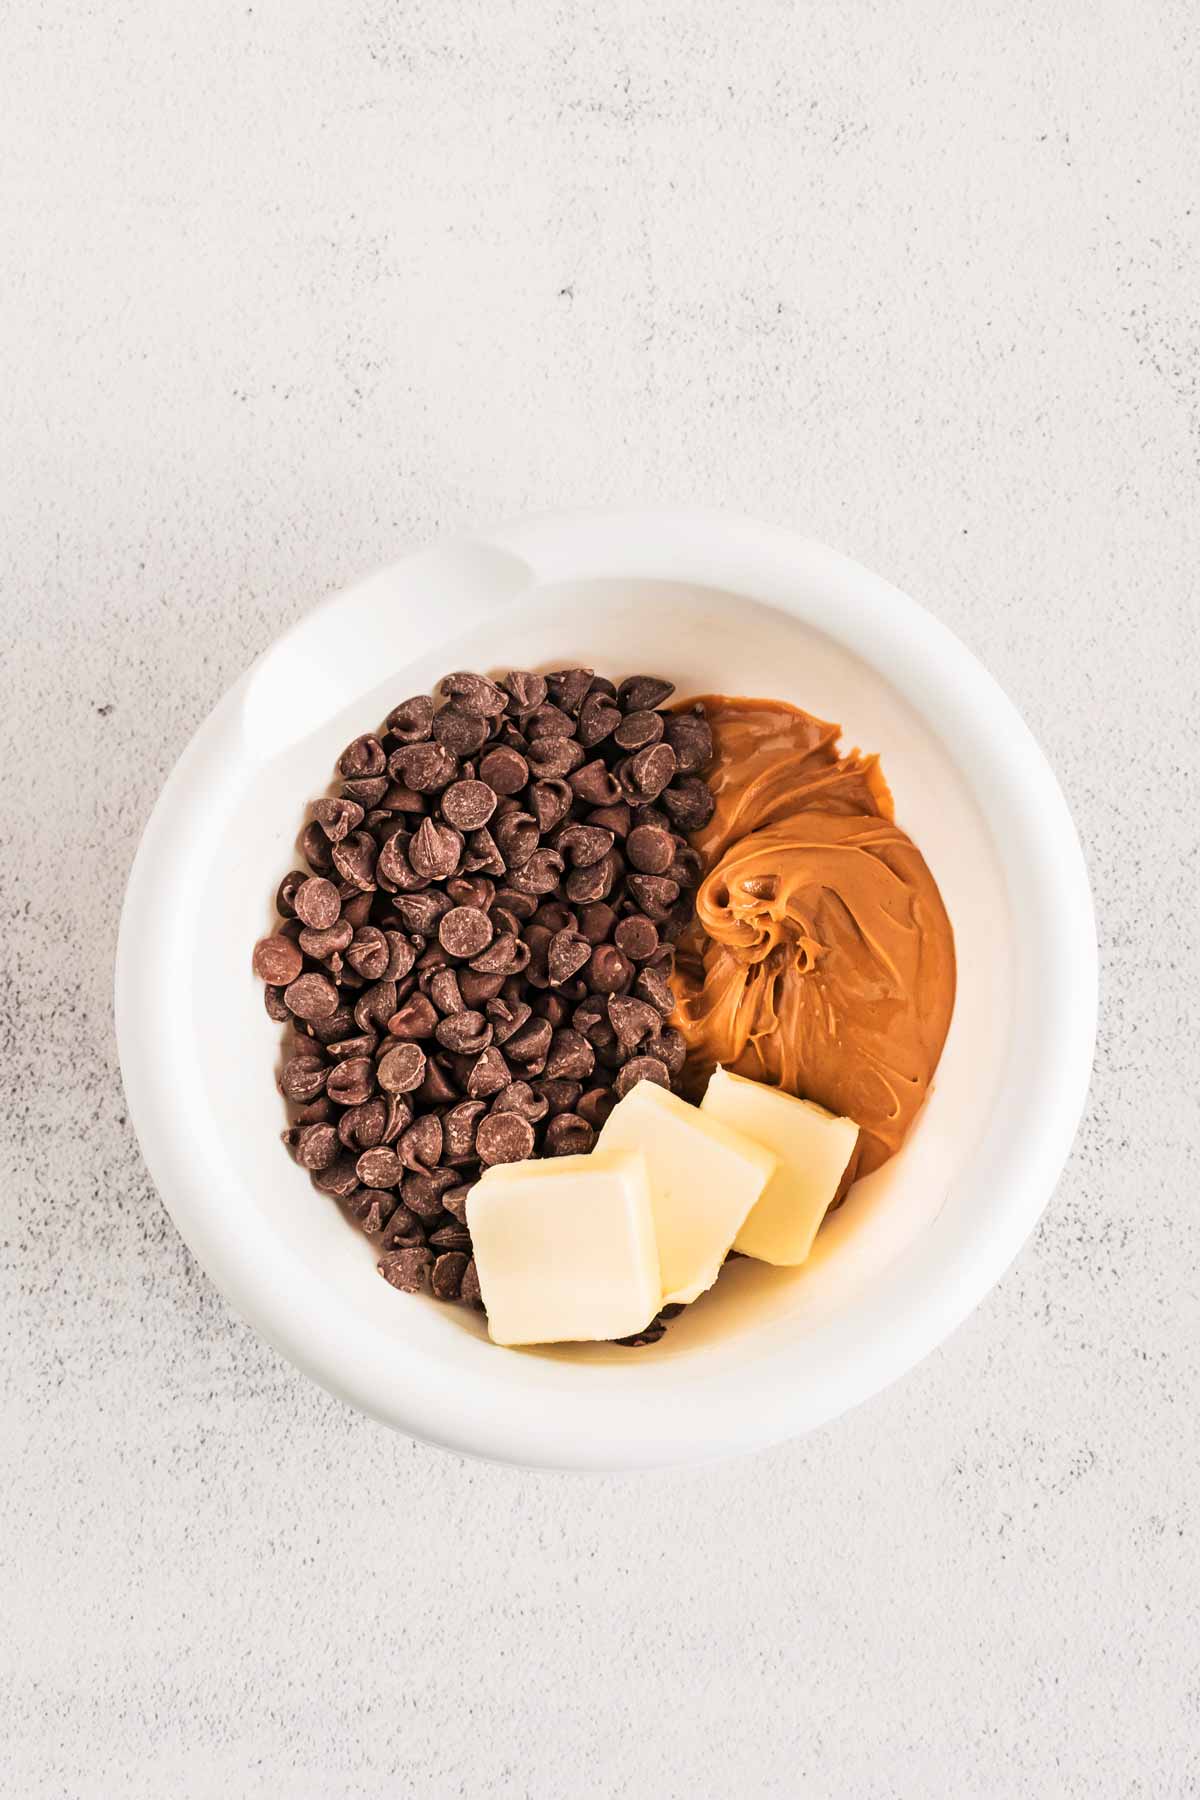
<point>704,1178</point>
<point>813,1148</point>
<point>565,1248</point>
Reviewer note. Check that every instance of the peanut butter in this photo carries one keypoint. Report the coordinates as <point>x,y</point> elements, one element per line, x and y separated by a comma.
<point>821,959</point>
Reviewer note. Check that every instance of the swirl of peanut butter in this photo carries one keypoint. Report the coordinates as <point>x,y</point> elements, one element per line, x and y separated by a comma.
<point>821,958</point>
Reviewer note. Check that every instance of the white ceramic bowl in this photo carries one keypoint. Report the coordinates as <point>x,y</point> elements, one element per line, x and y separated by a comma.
<point>715,603</point>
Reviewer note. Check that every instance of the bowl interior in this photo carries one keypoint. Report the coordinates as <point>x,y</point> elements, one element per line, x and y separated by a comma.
<point>318,689</point>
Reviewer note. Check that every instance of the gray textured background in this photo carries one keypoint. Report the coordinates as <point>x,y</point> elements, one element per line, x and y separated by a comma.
<point>288,288</point>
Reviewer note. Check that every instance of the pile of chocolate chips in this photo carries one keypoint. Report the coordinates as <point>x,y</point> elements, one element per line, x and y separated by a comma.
<point>476,964</point>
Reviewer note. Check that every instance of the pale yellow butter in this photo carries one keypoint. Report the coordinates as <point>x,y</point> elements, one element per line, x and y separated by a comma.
<point>704,1178</point>
<point>565,1248</point>
<point>813,1148</point>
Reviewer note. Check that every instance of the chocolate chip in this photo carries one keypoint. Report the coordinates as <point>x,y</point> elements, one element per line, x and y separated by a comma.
<point>641,1068</point>
<point>655,894</point>
<point>460,733</point>
<point>303,1077</point>
<point>608,972</point>
<point>375,1005</point>
<point>426,768</point>
<point>402,1070</point>
<point>409,722</point>
<point>322,945</point>
<point>507,1017</point>
<point>438,1087</point>
<point>596,921</point>
<point>369,953</point>
<point>455,1201</point>
<point>517,835</point>
<point>583,844</point>
<point>636,937</point>
<point>468,804</point>
<point>474,694</point>
<point>598,719</point>
<point>465,931</point>
<point>616,818</point>
<point>531,1043</point>
<point>379,1168</point>
<point>465,1033</point>
<point>632,1019</point>
<point>340,1177</point>
<point>569,1135</point>
<point>421,912</point>
<point>351,1082</point>
<point>519,1097</point>
<point>558,1094</point>
<point>643,693</point>
<point>419,1146</point>
<point>595,1106</point>
<point>364,757</point>
<point>415,1019</point>
<point>652,985</point>
<point>489,1073</point>
<point>567,953</point>
<point>649,771</point>
<point>548,721</point>
<point>637,729</point>
<point>690,802</point>
<point>403,1230</point>
<point>317,902</point>
<point>275,1005</point>
<point>583,886</point>
<point>568,687</point>
<point>444,991</point>
<point>355,858</point>
<point>285,893</point>
<point>317,1147</point>
<point>504,954</point>
<point>458,1127</point>
<point>422,1193</point>
<point>540,874</point>
<point>470,1292</point>
<point>670,1047</point>
<point>451,1237</point>
<point>504,771</point>
<point>311,997</point>
<point>504,1137</point>
<point>477,989</point>
<point>435,850</point>
<point>363,1126</point>
<point>526,691</point>
<point>690,736</point>
<point>316,849</point>
<point>594,785</point>
<point>277,960</point>
<point>550,802</point>
<point>570,1056</point>
<point>406,1269</point>
<point>448,1272</point>
<point>650,849</point>
<point>483,853</point>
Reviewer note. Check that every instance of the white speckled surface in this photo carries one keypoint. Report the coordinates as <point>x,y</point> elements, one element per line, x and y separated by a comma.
<point>291,287</point>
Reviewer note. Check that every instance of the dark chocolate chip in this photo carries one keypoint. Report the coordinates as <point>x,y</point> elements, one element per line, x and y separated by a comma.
<point>406,1269</point>
<point>594,785</point>
<point>690,737</point>
<point>317,903</point>
<point>690,802</point>
<point>474,694</point>
<point>409,722</point>
<point>643,693</point>
<point>650,849</point>
<point>569,1135</point>
<point>468,804</point>
<point>505,771</point>
<point>636,937</point>
<point>641,1068</point>
<point>402,1070</point>
<point>446,1280</point>
<point>311,997</point>
<point>277,960</point>
<point>427,768</point>
<point>415,1019</point>
<point>465,931</point>
<point>525,690</point>
<point>637,729</point>
<point>504,1137</point>
<point>608,971</point>
<point>364,757</point>
<point>570,1056</point>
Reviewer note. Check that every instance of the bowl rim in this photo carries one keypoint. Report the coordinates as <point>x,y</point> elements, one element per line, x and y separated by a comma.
<point>932,1287</point>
